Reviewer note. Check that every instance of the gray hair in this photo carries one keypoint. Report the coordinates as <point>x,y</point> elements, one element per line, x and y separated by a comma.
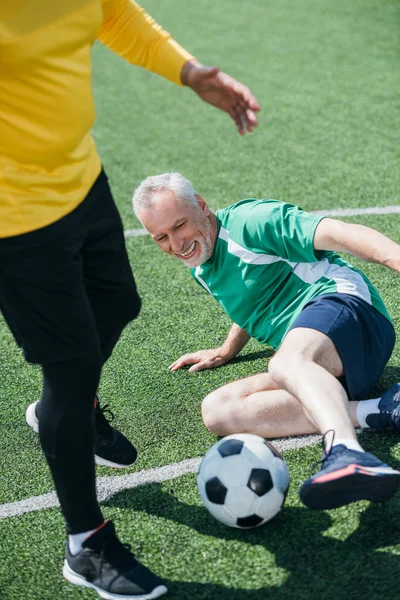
<point>173,182</point>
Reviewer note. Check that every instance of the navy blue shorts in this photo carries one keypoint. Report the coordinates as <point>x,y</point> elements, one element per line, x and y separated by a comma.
<point>363,337</point>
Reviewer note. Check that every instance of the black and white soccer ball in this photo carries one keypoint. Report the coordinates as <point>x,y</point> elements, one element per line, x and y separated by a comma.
<point>243,480</point>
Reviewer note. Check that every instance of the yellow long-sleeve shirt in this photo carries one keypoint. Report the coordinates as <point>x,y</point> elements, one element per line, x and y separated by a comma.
<point>48,160</point>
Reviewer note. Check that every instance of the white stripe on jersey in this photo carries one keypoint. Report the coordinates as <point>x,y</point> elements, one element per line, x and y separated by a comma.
<point>247,256</point>
<point>203,283</point>
<point>347,281</point>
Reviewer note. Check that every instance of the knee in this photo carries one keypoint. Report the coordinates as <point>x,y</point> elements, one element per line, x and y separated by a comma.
<point>212,413</point>
<point>274,368</point>
<point>72,385</point>
<point>126,308</point>
<point>279,367</point>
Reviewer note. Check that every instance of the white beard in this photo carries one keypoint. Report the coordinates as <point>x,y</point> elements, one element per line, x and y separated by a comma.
<point>206,250</point>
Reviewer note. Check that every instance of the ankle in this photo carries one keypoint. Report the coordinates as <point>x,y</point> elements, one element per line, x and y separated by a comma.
<point>366,408</point>
<point>350,443</point>
<point>76,540</point>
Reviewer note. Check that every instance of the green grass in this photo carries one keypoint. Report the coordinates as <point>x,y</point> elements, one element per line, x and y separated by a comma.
<point>350,552</point>
<point>326,75</point>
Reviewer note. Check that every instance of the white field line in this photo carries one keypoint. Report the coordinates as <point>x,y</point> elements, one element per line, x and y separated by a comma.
<point>135,232</point>
<point>340,212</point>
<point>108,486</point>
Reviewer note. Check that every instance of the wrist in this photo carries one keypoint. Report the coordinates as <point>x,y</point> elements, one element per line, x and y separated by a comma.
<point>187,71</point>
<point>228,351</point>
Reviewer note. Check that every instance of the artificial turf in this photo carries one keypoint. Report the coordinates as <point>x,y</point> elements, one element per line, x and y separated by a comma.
<point>351,552</point>
<point>326,76</point>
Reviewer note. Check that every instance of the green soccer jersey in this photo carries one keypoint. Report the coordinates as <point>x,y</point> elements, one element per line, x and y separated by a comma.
<point>264,268</point>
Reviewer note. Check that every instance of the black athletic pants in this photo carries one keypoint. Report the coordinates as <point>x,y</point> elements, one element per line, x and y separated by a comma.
<point>66,292</point>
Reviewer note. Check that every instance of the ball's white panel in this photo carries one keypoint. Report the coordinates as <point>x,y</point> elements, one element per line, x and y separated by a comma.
<point>201,486</point>
<point>269,505</point>
<point>233,471</point>
<point>258,454</point>
<point>241,501</point>
<point>280,475</point>
<point>221,514</point>
<point>209,465</point>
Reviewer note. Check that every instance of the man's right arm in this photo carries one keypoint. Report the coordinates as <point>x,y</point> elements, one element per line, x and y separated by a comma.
<point>236,339</point>
<point>361,241</point>
<point>135,36</point>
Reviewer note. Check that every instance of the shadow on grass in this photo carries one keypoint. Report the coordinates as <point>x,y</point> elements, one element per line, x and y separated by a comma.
<point>266,353</point>
<point>318,566</point>
<point>390,376</point>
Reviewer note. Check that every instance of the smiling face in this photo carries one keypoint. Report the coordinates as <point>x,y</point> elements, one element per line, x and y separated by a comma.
<point>180,229</point>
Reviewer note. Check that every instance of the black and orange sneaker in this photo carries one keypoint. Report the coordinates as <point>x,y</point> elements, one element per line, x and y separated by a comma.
<point>107,566</point>
<point>348,476</point>
<point>111,448</point>
<point>388,419</point>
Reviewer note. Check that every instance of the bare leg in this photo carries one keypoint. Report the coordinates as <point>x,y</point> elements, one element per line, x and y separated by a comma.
<point>306,366</point>
<point>258,405</point>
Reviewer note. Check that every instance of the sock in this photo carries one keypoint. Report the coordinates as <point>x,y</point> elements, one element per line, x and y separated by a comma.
<point>75,540</point>
<point>349,443</point>
<point>365,408</point>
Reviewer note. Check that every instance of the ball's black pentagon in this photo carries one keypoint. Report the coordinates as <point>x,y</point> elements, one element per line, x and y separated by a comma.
<point>251,521</point>
<point>273,449</point>
<point>260,481</point>
<point>216,491</point>
<point>230,447</point>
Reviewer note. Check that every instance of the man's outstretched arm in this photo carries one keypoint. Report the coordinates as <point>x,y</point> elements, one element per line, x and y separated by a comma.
<point>224,92</point>
<point>236,339</point>
<point>132,34</point>
<point>358,240</point>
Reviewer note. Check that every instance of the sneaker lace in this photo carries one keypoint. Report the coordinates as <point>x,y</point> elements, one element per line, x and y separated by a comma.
<point>104,417</point>
<point>388,418</point>
<point>396,397</point>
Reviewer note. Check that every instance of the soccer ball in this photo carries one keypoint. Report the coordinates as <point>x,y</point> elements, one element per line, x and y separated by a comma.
<point>243,480</point>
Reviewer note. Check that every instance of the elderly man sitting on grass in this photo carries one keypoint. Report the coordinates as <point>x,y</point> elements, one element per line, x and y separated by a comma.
<point>275,271</point>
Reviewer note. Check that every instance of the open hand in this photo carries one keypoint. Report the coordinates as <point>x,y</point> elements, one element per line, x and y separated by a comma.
<point>224,92</point>
<point>203,359</point>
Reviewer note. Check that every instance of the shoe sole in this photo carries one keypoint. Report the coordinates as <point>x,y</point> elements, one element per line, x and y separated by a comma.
<point>77,579</point>
<point>31,417</point>
<point>362,484</point>
<point>33,421</point>
<point>107,463</point>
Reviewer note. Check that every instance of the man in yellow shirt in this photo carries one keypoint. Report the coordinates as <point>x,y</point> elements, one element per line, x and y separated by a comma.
<point>66,286</point>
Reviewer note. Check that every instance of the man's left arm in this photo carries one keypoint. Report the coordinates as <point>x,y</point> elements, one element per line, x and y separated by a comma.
<point>132,34</point>
<point>358,240</point>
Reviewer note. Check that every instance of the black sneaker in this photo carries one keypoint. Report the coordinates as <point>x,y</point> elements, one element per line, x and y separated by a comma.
<point>107,566</point>
<point>347,476</point>
<point>388,419</point>
<point>112,449</point>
